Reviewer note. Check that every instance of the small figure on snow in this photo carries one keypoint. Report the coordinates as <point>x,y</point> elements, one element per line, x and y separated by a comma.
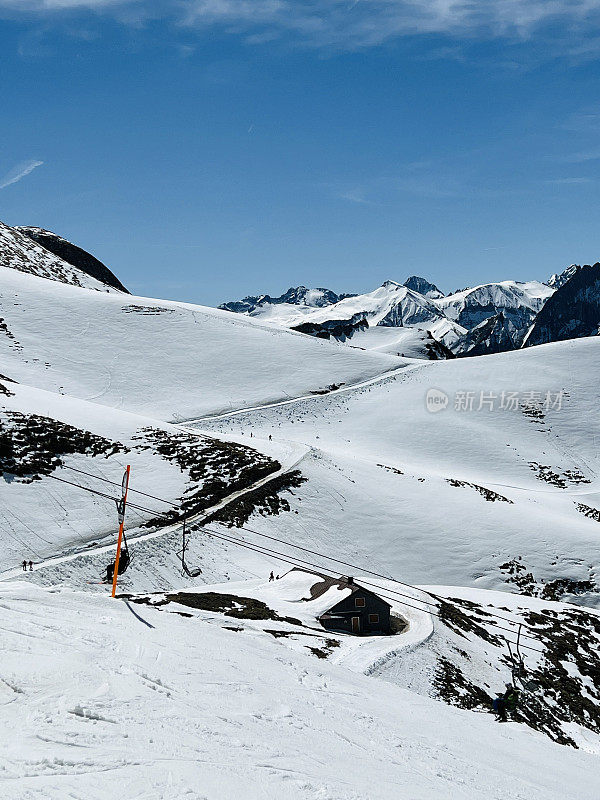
<point>271,577</point>
<point>24,566</point>
<point>506,701</point>
<point>31,566</point>
<point>270,437</point>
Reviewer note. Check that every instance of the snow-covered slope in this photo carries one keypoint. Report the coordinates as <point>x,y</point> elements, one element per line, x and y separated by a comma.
<point>54,448</point>
<point>107,699</point>
<point>470,474</point>
<point>164,359</point>
<point>498,489</point>
<point>23,254</point>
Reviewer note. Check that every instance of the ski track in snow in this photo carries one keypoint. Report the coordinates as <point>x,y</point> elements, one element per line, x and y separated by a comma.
<point>194,423</point>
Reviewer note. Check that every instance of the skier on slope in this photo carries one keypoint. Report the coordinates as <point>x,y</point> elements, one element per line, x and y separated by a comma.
<point>506,701</point>
<point>24,566</point>
<point>271,577</point>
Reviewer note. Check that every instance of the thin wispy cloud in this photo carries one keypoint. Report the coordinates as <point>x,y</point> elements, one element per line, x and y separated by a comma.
<point>18,172</point>
<point>583,156</point>
<point>351,24</point>
<point>570,181</point>
<point>353,196</point>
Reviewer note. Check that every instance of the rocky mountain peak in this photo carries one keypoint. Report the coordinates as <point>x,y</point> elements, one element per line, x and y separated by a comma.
<point>423,286</point>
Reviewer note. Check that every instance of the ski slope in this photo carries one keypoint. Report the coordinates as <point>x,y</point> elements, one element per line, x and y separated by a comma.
<point>159,358</point>
<point>403,488</point>
<point>104,699</point>
<point>111,698</point>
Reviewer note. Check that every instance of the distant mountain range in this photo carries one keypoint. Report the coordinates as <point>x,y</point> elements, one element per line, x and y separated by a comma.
<point>416,319</point>
<point>412,319</point>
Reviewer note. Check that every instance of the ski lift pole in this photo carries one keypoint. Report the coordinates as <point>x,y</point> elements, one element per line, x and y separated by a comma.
<point>121,513</point>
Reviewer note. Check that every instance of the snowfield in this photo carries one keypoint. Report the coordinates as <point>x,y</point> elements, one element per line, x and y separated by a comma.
<point>104,699</point>
<point>475,482</point>
<point>159,358</point>
<point>453,496</point>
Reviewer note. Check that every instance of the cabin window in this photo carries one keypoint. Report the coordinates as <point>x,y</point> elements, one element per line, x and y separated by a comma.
<point>373,617</point>
<point>359,602</point>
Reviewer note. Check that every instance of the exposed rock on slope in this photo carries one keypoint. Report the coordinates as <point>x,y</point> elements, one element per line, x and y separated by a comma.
<point>73,255</point>
<point>572,312</point>
<point>423,286</point>
<point>21,253</point>
<point>494,335</point>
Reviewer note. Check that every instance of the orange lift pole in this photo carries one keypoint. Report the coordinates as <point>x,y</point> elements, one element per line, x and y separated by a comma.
<point>121,512</point>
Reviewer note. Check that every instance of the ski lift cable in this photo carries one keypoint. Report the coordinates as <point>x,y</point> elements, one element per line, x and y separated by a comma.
<point>312,552</point>
<point>382,593</point>
<point>281,541</point>
<point>114,483</point>
<point>272,554</point>
<point>380,589</point>
<point>375,574</point>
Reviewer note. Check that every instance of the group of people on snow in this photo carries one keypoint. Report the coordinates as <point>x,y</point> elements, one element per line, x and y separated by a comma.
<point>25,564</point>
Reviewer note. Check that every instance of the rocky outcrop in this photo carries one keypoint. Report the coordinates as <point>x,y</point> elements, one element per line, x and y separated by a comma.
<point>338,329</point>
<point>423,286</point>
<point>573,310</point>
<point>72,254</point>
<point>496,334</point>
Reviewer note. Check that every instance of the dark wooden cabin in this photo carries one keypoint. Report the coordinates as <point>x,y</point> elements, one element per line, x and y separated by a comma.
<point>360,612</point>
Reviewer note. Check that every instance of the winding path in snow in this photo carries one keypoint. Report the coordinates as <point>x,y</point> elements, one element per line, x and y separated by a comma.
<point>296,456</point>
<point>409,367</point>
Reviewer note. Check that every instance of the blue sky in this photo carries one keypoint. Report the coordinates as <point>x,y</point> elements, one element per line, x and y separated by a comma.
<point>208,149</point>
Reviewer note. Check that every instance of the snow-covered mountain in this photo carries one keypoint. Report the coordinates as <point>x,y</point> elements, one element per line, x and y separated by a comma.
<point>464,492</point>
<point>518,302</point>
<point>420,307</point>
<point>559,279</point>
<point>295,296</point>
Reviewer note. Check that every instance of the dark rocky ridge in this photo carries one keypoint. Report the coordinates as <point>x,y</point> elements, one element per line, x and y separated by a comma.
<point>495,334</point>
<point>73,255</point>
<point>572,312</point>
<point>423,286</point>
